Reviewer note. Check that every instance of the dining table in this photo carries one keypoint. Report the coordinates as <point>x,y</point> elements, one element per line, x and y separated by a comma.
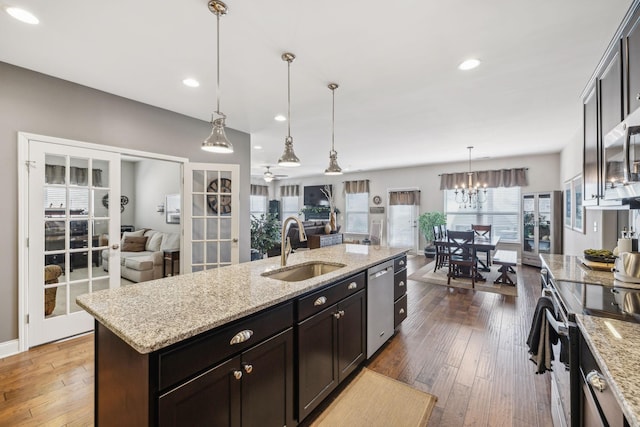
<point>479,242</point>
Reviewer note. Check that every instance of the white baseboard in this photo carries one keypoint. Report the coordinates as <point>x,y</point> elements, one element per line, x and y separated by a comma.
<point>9,348</point>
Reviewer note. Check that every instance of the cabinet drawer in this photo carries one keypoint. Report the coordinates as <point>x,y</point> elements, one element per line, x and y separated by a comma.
<point>399,284</point>
<point>329,295</point>
<point>200,353</point>
<point>399,311</point>
<point>400,263</point>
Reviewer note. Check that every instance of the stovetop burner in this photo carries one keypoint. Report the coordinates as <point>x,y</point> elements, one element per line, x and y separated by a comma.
<point>615,302</point>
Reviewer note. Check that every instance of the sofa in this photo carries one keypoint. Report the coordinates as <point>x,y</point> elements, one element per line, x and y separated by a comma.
<point>141,254</point>
<point>310,228</point>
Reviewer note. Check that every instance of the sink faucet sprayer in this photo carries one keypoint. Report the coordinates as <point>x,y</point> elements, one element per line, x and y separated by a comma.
<point>285,244</point>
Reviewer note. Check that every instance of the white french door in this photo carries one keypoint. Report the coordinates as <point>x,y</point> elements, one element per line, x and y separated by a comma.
<point>210,207</point>
<point>73,217</point>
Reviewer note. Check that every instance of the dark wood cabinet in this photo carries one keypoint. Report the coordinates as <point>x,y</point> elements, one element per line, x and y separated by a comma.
<point>610,91</point>
<point>631,45</point>
<point>331,344</point>
<point>399,290</point>
<point>591,165</point>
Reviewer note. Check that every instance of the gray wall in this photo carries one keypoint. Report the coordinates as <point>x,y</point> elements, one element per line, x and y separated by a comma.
<point>36,103</point>
<point>128,188</point>
<point>154,179</point>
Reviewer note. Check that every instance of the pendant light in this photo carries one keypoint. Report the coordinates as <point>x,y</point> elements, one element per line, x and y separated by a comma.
<point>217,142</point>
<point>334,168</point>
<point>289,158</point>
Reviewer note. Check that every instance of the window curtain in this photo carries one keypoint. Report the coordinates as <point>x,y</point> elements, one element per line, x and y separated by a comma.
<point>492,178</point>
<point>289,190</point>
<point>259,190</point>
<point>411,197</point>
<point>54,174</point>
<point>352,187</point>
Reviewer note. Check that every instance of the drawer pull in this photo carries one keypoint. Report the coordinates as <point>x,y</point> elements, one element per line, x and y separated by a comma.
<point>352,285</point>
<point>401,311</point>
<point>336,315</point>
<point>320,301</point>
<point>401,284</point>
<point>241,337</point>
<point>401,262</point>
<point>248,368</point>
<point>597,381</point>
<point>638,97</point>
<point>237,374</point>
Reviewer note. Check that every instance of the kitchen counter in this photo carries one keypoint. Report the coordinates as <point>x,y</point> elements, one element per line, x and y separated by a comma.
<point>152,315</point>
<point>618,359</point>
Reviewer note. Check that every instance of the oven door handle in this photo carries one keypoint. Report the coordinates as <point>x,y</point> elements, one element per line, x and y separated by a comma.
<point>561,328</point>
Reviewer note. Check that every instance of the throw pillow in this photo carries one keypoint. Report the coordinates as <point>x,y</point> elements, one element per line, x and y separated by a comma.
<point>130,233</point>
<point>154,240</point>
<point>134,243</point>
<point>170,241</point>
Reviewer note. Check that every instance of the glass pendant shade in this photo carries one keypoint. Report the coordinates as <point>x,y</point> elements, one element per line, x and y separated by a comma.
<point>288,158</point>
<point>217,141</point>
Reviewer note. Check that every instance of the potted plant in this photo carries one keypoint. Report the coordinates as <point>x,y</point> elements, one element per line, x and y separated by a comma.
<point>426,222</point>
<point>265,233</point>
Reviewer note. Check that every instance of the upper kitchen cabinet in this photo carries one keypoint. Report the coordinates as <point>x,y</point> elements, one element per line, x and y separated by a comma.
<point>591,165</point>
<point>610,91</point>
<point>631,44</point>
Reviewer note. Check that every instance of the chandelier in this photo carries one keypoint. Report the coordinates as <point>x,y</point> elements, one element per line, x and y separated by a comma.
<point>470,195</point>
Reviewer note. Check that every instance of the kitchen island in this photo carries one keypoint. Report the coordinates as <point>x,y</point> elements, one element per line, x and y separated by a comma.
<point>612,342</point>
<point>157,340</point>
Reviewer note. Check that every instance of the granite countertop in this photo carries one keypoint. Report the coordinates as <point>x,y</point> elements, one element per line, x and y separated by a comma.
<point>152,315</point>
<point>617,358</point>
<point>569,268</point>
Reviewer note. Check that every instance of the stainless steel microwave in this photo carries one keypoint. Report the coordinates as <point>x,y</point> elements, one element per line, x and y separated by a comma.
<point>621,160</point>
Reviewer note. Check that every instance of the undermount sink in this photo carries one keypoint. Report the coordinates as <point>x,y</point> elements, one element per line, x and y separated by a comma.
<point>303,271</point>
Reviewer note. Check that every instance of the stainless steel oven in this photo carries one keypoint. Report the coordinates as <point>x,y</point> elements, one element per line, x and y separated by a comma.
<point>564,381</point>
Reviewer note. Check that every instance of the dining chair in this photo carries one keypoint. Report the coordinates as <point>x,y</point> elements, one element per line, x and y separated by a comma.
<point>483,231</point>
<point>462,256</point>
<point>442,254</point>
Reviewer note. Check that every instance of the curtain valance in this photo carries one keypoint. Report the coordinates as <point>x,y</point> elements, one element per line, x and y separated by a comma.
<point>352,187</point>
<point>410,197</point>
<point>259,190</point>
<point>289,191</point>
<point>55,174</point>
<point>492,178</point>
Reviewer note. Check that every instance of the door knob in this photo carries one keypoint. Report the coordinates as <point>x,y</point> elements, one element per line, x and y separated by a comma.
<point>115,246</point>
<point>234,240</point>
<point>248,368</point>
<point>237,374</point>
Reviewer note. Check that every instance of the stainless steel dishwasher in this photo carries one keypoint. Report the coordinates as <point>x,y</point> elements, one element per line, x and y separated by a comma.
<point>379,306</point>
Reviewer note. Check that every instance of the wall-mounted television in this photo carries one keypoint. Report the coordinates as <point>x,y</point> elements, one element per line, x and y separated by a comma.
<point>313,195</point>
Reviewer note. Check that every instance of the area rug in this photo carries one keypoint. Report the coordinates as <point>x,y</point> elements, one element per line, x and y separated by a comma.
<point>439,277</point>
<point>372,399</point>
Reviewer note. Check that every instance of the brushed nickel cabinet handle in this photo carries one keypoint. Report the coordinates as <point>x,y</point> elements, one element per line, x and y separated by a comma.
<point>401,284</point>
<point>320,301</point>
<point>352,285</point>
<point>401,262</point>
<point>597,380</point>
<point>336,315</point>
<point>237,374</point>
<point>248,368</point>
<point>401,311</point>
<point>241,337</point>
<point>341,313</point>
<point>638,97</point>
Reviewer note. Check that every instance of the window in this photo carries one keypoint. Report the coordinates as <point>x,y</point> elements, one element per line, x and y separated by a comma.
<point>289,206</point>
<point>357,213</point>
<point>258,205</point>
<point>501,210</point>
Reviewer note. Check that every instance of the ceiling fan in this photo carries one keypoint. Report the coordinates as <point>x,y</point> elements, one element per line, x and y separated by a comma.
<point>270,176</point>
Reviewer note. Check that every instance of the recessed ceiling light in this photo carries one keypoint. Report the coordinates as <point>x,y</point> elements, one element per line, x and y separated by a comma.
<point>469,64</point>
<point>257,147</point>
<point>22,15</point>
<point>280,118</point>
<point>191,82</point>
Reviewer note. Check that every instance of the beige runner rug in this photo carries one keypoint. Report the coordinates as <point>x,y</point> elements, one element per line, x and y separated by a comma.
<point>439,277</point>
<point>372,399</point>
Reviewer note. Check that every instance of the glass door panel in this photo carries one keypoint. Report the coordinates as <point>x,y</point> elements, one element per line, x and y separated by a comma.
<point>544,223</point>
<point>529,223</point>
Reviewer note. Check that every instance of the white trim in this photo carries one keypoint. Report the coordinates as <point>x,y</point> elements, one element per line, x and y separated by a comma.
<point>9,348</point>
<point>22,343</point>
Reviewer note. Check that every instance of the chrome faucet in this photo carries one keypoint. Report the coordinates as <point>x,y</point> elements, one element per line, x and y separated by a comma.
<point>285,244</point>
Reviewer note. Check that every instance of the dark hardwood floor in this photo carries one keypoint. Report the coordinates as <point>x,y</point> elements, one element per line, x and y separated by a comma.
<point>466,347</point>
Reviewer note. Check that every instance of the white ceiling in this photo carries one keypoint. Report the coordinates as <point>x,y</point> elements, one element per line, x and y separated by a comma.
<point>402,101</point>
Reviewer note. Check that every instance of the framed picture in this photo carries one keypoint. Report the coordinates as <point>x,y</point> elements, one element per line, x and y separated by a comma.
<point>578,209</point>
<point>568,203</point>
<point>172,208</point>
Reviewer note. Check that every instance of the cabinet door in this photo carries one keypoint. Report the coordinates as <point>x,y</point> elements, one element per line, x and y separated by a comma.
<point>211,399</point>
<point>610,85</point>
<point>631,36</point>
<point>317,366</point>
<point>351,333</point>
<point>267,382</point>
<point>591,166</point>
